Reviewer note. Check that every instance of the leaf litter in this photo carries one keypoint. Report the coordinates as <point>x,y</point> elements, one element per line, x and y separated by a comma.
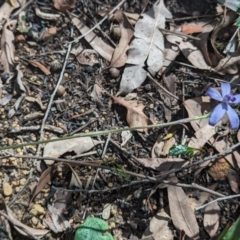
<point>161,57</point>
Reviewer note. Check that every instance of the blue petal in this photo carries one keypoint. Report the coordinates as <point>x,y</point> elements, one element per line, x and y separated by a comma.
<point>237,100</point>
<point>217,113</point>
<point>225,88</point>
<point>233,118</point>
<point>214,94</point>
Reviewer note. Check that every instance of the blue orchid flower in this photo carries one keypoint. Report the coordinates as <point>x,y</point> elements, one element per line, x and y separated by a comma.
<point>226,99</point>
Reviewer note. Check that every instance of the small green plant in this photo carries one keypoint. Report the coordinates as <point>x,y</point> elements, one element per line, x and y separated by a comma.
<point>93,229</point>
<point>182,149</point>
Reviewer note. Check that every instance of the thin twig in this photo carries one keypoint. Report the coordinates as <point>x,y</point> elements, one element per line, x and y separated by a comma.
<point>178,34</point>
<point>99,23</point>
<point>217,200</point>
<point>53,95</point>
<point>106,145</point>
<point>192,17</point>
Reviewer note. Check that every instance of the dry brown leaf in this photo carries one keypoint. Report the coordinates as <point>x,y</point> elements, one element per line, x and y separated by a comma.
<point>63,5</point>
<point>119,56</point>
<point>7,46</point>
<point>201,136</point>
<point>97,43</point>
<point>190,28</point>
<point>181,213</point>
<point>135,115</point>
<point>40,66</point>
<point>194,55</point>
<point>167,145</point>
<point>234,180</point>
<point>77,145</point>
<point>158,228</point>
<point>157,147</point>
<point>161,164</point>
<point>197,107</point>
<point>37,232</point>
<point>211,218</point>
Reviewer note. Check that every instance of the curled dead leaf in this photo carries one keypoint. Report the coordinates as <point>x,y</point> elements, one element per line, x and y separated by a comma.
<point>119,56</point>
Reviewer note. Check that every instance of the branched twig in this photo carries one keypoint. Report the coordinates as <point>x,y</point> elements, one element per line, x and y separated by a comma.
<point>99,23</point>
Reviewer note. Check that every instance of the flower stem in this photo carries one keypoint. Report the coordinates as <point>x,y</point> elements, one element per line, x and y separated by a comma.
<point>117,130</point>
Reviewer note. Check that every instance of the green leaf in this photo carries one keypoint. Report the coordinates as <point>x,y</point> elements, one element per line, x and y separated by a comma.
<point>234,232</point>
<point>181,149</point>
<point>93,229</point>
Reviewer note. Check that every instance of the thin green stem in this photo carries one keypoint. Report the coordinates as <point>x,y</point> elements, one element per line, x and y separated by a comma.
<point>94,134</point>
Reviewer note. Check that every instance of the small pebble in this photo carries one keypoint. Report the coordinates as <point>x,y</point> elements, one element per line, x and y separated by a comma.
<point>16,59</point>
<point>114,72</point>
<point>40,226</point>
<point>25,172</point>
<point>22,181</point>
<point>112,225</point>
<point>7,189</point>
<point>34,212</point>
<point>66,75</point>
<point>34,221</point>
<point>60,90</point>
<point>39,209</point>
<point>17,189</point>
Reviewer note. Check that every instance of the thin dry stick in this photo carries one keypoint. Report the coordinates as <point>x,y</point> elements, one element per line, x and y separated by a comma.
<point>99,23</point>
<point>19,226</point>
<point>53,95</point>
<point>164,89</point>
<point>192,17</point>
<point>178,34</point>
<point>217,200</point>
<point>157,178</point>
